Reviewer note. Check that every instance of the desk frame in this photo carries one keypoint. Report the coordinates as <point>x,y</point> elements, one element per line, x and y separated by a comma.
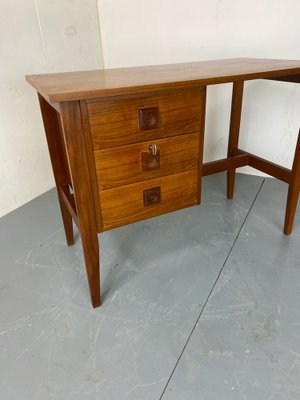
<point>71,151</point>
<point>239,158</point>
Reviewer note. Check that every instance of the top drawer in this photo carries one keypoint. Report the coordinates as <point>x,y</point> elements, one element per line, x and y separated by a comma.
<point>124,120</point>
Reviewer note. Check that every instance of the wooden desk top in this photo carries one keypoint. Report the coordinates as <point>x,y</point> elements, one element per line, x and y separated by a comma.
<point>109,82</point>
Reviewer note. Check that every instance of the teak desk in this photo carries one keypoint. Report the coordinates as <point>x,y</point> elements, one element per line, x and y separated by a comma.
<point>126,144</point>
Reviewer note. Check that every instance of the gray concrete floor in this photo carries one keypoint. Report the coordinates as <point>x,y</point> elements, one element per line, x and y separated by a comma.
<point>198,304</point>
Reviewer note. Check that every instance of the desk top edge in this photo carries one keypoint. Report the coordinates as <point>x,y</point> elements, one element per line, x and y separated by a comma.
<point>78,85</point>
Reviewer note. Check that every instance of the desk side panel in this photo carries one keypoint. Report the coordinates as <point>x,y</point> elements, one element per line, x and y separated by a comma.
<point>91,163</point>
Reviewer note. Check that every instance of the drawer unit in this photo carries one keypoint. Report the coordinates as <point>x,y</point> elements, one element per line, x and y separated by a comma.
<point>123,120</point>
<point>146,153</point>
<point>122,165</point>
<point>131,203</point>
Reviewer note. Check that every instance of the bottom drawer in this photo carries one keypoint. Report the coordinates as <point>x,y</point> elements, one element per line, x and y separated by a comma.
<point>131,203</point>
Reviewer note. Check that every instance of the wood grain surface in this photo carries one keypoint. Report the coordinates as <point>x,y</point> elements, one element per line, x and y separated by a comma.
<point>110,82</point>
<point>115,122</point>
<point>118,166</point>
<point>124,205</point>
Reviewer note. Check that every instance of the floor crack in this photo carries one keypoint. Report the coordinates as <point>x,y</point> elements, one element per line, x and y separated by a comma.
<point>212,289</point>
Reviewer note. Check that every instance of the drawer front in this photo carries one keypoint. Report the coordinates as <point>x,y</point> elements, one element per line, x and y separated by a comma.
<point>118,166</point>
<point>131,203</point>
<point>120,121</point>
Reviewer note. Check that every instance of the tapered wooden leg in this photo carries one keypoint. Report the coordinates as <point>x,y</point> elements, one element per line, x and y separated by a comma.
<point>58,160</point>
<point>201,141</point>
<point>234,130</point>
<point>90,247</point>
<point>83,195</point>
<point>293,192</point>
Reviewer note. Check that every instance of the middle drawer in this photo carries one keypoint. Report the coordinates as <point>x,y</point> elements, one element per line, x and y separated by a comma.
<point>118,166</point>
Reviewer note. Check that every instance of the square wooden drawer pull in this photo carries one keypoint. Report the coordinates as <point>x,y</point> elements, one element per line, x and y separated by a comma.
<point>148,118</point>
<point>151,196</point>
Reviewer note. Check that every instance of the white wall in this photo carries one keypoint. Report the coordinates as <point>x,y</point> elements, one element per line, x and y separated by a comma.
<point>140,32</point>
<point>41,36</point>
<point>37,36</point>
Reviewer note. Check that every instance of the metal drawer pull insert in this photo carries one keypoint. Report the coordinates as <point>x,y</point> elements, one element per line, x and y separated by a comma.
<point>151,158</point>
<point>153,149</point>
